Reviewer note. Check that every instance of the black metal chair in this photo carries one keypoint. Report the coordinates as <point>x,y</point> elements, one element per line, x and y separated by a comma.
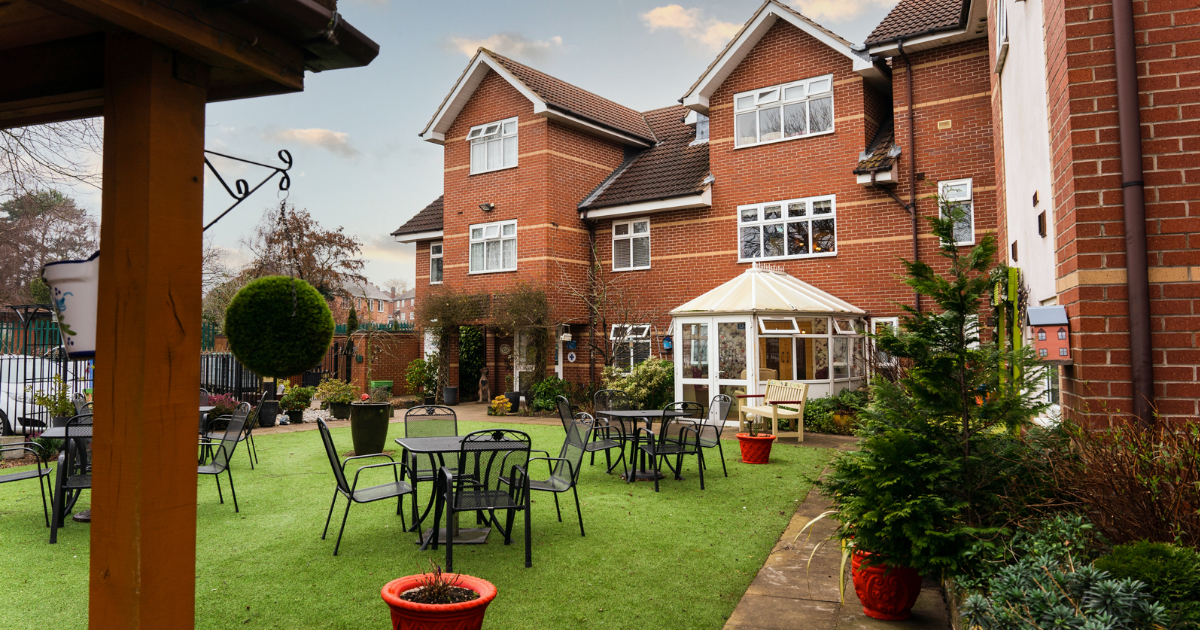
<point>204,395</point>
<point>214,430</point>
<point>713,424</point>
<point>6,427</point>
<point>492,476</point>
<point>677,436</point>
<point>428,421</point>
<point>81,403</point>
<point>74,473</point>
<point>564,469</point>
<point>222,452</point>
<point>42,471</point>
<point>611,435</point>
<point>353,494</point>
<point>613,400</point>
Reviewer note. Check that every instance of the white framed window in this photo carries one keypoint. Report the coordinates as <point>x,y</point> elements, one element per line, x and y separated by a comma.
<point>631,245</point>
<point>779,325</point>
<point>435,263</point>
<point>957,193</point>
<point>701,129</point>
<point>784,112</point>
<point>631,344</point>
<point>379,306</point>
<point>494,247</point>
<point>796,228</point>
<point>493,146</point>
<point>878,325</point>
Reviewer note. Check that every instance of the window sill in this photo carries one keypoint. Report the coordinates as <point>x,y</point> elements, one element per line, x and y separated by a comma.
<point>494,170</point>
<point>624,269</point>
<point>432,282</point>
<point>480,273</point>
<point>770,142</point>
<point>785,258</point>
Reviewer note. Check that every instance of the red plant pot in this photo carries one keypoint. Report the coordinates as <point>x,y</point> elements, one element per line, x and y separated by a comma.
<point>408,615</point>
<point>756,449</point>
<point>886,592</point>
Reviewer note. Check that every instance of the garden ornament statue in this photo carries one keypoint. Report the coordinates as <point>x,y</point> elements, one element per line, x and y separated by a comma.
<point>485,392</point>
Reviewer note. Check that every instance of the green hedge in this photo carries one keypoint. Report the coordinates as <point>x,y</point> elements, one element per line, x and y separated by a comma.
<point>278,326</point>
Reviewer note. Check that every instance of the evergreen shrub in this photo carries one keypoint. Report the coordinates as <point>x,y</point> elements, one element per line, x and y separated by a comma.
<point>278,326</point>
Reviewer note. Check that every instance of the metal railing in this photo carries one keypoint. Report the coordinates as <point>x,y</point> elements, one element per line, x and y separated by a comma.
<point>222,373</point>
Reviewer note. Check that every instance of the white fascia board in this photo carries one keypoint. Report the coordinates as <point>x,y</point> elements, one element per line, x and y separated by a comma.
<point>463,91</point>
<point>924,42</point>
<point>880,177</point>
<point>420,236</point>
<point>703,200</point>
<point>541,109</point>
<point>750,36</point>
<point>691,118</point>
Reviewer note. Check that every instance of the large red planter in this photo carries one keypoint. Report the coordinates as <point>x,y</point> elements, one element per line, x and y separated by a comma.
<point>756,449</point>
<point>886,592</point>
<point>408,615</point>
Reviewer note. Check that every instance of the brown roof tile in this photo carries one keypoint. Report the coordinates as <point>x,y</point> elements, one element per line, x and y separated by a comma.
<point>880,155</point>
<point>577,101</point>
<point>672,168</point>
<point>428,219</point>
<point>914,17</point>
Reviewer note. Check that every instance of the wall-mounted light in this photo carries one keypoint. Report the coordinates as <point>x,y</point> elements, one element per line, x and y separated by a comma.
<point>487,207</point>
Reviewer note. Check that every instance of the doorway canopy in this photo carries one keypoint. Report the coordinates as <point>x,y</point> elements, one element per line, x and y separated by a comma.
<point>766,324</point>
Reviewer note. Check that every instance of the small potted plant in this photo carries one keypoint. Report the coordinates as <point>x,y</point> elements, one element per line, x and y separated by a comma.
<point>756,449</point>
<point>339,394</point>
<point>369,422</point>
<point>446,601</point>
<point>514,397</point>
<point>56,401</point>
<point>421,377</point>
<point>499,406</point>
<point>295,400</point>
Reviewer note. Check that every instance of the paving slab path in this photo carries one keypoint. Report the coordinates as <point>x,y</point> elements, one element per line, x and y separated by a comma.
<point>789,593</point>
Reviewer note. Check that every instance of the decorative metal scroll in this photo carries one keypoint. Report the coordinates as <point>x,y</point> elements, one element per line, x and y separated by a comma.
<point>241,189</point>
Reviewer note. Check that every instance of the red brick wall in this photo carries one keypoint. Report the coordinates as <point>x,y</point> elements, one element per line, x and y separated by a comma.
<point>393,351</point>
<point>1088,200</point>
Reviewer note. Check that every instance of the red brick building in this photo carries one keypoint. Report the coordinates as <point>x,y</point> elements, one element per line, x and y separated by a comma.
<point>404,307</point>
<point>792,150</point>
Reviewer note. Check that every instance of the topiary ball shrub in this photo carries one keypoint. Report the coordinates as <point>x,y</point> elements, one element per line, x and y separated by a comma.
<point>271,338</point>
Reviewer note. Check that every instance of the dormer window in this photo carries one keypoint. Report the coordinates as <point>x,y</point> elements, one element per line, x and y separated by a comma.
<point>783,112</point>
<point>493,146</point>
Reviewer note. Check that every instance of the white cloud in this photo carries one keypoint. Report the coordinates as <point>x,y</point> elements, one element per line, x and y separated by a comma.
<point>509,45</point>
<point>336,141</point>
<point>692,24</point>
<point>839,10</point>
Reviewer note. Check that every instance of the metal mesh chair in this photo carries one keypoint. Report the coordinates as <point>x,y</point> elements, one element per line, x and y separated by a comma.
<point>428,421</point>
<point>218,462</point>
<point>492,476</point>
<point>74,473</point>
<point>605,435</point>
<point>81,403</point>
<point>677,436</point>
<point>711,426</point>
<point>613,400</point>
<point>564,469</point>
<point>40,472</point>
<point>214,430</point>
<point>204,397</point>
<point>396,489</point>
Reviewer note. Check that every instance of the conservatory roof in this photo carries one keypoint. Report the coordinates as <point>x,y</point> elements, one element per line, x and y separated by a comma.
<point>764,289</point>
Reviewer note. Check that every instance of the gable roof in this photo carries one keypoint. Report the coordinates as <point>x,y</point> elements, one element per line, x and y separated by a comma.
<point>407,295</point>
<point>551,98</point>
<point>429,219</point>
<point>673,168</point>
<point>911,18</point>
<point>752,31</point>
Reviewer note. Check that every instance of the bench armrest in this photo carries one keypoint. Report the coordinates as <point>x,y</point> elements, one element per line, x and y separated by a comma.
<point>786,402</point>
<point>751,395</point>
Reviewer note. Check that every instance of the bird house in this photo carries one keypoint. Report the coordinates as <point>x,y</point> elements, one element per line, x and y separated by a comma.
<point>1051,333</point>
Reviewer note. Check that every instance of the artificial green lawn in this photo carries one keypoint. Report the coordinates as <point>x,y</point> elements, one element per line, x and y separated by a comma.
<point>677,559</point>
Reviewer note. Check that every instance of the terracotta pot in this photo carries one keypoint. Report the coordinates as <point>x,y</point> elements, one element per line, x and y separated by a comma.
<point>756,449</point>
<point>886,592</point>
<point>408,615</point>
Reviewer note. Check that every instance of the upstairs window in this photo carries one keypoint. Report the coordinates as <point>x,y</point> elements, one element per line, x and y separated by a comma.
<point>701,129</point>
<point>631,245</point>
<point>493,146</point>
<point>494,247</point>
<point>796,228</point>
<point>957,194</point>
<point>435,264</point>
<point>784,112</point>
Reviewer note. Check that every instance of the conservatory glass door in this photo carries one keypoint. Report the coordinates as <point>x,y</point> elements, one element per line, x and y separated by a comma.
<point>713,357</point>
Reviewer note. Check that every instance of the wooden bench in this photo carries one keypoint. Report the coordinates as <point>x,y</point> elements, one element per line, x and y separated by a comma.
<point>783,399</point>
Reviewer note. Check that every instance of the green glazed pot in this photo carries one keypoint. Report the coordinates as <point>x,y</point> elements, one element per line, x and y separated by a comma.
<point>369,426</point>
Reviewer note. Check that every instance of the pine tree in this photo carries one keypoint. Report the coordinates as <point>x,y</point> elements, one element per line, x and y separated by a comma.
<point>351,321</point>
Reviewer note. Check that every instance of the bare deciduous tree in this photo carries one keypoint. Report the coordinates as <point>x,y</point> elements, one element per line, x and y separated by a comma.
<point>38,228</point>
<point>42,157</point>
<point>290,242</point>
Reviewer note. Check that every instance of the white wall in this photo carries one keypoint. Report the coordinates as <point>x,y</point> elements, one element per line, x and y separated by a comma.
<point>1027,148</point>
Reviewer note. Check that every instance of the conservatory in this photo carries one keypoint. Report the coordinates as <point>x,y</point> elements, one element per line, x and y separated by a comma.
<point>766,325</point>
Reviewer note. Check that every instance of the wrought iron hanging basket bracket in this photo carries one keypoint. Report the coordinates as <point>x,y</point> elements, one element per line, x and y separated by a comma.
<point>241,189</point>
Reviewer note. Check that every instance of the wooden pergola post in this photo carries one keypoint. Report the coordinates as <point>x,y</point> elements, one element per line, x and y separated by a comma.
<point>143,531</point>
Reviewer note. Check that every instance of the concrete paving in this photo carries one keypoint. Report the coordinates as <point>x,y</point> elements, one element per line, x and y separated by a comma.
<point>792,593</point>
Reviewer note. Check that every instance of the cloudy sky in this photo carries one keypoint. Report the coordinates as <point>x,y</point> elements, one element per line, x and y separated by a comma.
<point>353,133</point>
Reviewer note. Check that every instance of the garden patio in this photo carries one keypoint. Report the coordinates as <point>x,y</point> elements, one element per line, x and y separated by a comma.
<point>679,558</point>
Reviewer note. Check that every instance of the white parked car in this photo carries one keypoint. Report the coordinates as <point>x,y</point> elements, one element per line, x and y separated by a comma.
<point>19,371</point>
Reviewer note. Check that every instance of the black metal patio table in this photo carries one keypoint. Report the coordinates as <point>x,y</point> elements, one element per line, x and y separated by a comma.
<point>647,415</point>
<point>435,448</point>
